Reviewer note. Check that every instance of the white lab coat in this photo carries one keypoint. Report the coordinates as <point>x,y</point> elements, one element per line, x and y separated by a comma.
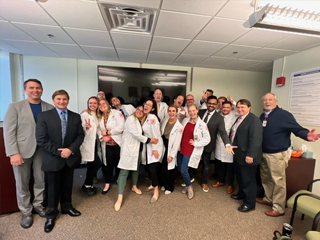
<point>151,129</point>
<point>203,139</point>
<point>220,151</point>
<point>174,142</point>
<point>130,144</point>
<point>128,108</point>
<point>115,124</point>
<point>163,111</point>
<point>87,148</point>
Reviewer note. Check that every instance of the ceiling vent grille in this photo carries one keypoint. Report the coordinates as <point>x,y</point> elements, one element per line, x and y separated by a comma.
<point>129,19</point>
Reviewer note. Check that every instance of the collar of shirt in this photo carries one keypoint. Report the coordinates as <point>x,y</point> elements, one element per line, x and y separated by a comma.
<point>243,117</point>
<point>59,113</point>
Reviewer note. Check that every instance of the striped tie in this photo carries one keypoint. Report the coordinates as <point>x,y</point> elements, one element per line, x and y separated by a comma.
<point>63,125</point>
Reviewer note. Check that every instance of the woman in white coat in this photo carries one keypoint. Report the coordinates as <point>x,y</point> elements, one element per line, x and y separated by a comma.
<point>152,153</point>
<point>89,146</point>
<point>131,148</point>
<point>111,124</point>
<point>194,138</point>
<point>171,130</point>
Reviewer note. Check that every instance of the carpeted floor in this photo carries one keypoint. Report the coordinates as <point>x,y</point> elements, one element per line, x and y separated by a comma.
<point>211,215</point>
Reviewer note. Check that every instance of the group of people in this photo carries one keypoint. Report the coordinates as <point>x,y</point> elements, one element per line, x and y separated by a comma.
<point>52,140</point>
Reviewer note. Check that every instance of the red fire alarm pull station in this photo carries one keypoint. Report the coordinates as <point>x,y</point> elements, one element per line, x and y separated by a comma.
<point>281,81</point>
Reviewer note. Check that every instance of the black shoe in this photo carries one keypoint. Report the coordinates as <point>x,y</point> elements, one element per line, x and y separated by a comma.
<point>243,208</point>
<point>105,192</point>
<point>213,177</point>
<point>49,225</point>
<point>236,197</point>
<point>88,190</point>
<point>72,212</point>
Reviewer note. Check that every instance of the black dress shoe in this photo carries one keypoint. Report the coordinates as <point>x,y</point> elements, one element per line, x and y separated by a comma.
<point>105,192</point>
<point>72,212</point>
<point>244,209</point>
<point>49,225</point>
<point>236,197</point>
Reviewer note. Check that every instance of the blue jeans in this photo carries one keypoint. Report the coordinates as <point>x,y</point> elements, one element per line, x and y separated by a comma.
<point>183,162</point>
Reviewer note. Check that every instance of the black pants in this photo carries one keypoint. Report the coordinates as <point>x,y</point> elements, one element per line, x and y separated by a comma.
<point>166,175</point>
<point>246,178</point>
<point>92,168</point>
<point>112,157</point>
<point>154,173</point>
<point>222,168</point>
<point>205,167</point>
<point>59,188</point>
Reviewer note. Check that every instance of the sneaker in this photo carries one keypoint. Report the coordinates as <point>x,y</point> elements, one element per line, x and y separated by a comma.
<point>167,192</point>
<point>205,187</point>
<point>88,190</point>
<point>183,184</point>
<point>163,189</point>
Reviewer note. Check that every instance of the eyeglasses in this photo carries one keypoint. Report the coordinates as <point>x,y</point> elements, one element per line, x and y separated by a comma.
<point>139,110</point>
<point>149,105</point>
<point>190,99</point>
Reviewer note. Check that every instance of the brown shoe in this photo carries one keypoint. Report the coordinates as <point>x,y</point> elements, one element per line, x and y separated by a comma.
<point>230,189</point>
<point>205,187</point>
<point>217,184</point>
<point>272,213</point>
<point>261,201</point>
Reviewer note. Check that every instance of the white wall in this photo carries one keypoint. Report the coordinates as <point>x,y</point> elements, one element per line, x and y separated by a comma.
<point>305,60</point>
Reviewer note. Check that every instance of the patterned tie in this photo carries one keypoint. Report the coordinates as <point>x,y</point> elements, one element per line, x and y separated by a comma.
<point>63,125</point>
<point>234,128</point>
<point>206,118</point>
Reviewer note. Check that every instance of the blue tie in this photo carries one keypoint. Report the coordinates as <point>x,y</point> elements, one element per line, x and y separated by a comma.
<point>63,125</point>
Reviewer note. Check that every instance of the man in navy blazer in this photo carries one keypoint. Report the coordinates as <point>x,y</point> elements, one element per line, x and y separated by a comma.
<point>246,134</point>
<point>60,134</point>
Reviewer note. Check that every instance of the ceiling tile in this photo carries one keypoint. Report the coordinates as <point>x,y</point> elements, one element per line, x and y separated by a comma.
<point>126,55</point>
<point>90,37</point>
<point>267,54</point>
<point>217,61</point>
<point>33,48</point>
<point>174,45</point>
<point>76,14</point>
<point>235,51</point>
<point>222,30</point>
<point>190,59</point>
<point>240,64</point>
<point>203,48</point>
<point>260,37</point>
<point>24,11</point>
<point>131,41</point>
<point>237,9</point>
<point>162,57</point>
<point>8,48</point>
<point>9,31</point>
<point>67,51</point>
<point>100,52</point>
<point>203,7</point>
<point>41,32</point>
<point>295,42</point>
<point>180,25</point>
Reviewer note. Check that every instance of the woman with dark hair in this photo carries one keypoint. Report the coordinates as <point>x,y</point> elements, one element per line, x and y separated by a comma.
<point>111,127</point>
<point>171,130</point>
<point>130,154</point>
<point>152,153</point>
<point>89,146</point>
<point>194,138</point>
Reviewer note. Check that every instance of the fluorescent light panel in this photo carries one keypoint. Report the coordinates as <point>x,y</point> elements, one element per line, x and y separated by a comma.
<point>110,79</point>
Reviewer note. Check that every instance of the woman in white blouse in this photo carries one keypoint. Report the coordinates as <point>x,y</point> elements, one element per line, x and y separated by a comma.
<point>152,153</point>
<point>171,130</point>
<point>89,146</point>
<point>111,124</point>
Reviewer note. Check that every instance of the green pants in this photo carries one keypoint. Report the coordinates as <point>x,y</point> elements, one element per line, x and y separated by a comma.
<point>123,175</point>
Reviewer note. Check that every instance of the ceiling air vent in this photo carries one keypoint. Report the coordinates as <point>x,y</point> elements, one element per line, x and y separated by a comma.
<point>126,18</point>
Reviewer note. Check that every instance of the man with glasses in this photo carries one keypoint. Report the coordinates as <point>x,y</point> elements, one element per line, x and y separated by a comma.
<point>215,125</point>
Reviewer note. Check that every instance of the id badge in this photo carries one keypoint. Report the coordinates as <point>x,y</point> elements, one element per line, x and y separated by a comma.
<point>264,123</point>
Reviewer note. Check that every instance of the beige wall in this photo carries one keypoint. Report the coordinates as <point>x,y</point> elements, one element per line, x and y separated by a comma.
<point>305,60</point>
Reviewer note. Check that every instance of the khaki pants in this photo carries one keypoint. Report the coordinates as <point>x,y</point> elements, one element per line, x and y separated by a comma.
<point>273,176</point>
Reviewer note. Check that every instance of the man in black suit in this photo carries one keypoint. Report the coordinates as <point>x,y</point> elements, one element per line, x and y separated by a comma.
<point>246,134</point>
<point>60,134</point>
<point>215,125</point>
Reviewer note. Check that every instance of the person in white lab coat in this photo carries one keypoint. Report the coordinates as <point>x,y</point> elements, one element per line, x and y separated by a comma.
<point>162,107</point>
<point>152,153</point>
<point>131,148</point>
<point>171,130</point>
<point>195,136</point>
<point>88,148</point>
<point>111,124</point>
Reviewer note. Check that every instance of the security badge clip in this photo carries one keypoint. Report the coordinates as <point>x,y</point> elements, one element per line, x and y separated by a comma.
<point>264,123</point>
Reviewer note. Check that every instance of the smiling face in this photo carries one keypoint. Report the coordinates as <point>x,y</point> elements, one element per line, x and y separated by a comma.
<point>193,112</point>
<point>157,95</point>
<point>148,107</point>
<point>220,101</point>
<point>33,91</point>
<point>269,102</point>
<point>93,104</point>
<point>226,108</point>
<point>178,101</point>
<point>101,95</point>
<point>115,101</point>
<point>139,112</point>
<point>211,104</point>
<point>242,109</point>
<point>172,112</point>
<point>189,100</point>
<point>61,101</point>
<point>103,106</point>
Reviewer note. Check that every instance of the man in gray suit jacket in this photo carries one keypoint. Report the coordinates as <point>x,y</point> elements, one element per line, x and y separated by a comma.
<point>20,143</point>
